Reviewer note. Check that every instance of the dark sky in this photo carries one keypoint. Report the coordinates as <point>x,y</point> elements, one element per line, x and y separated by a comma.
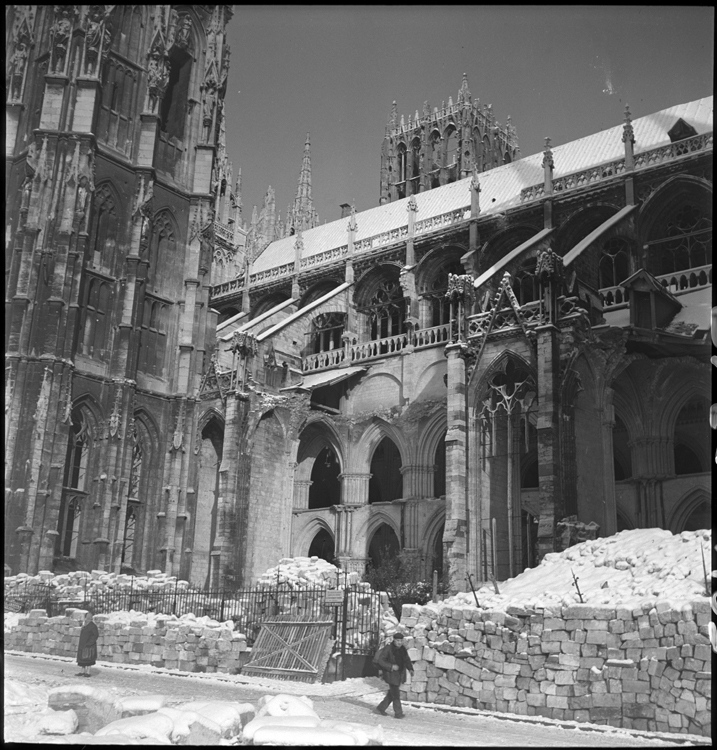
<point>333,71</point>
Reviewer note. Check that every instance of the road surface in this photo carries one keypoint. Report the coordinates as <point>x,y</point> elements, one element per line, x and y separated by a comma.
<point>422,726</point>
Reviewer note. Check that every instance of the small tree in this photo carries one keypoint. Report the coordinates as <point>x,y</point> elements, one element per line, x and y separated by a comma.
<point>399,575</point>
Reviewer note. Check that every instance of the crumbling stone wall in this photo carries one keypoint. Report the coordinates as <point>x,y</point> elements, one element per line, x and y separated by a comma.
<point>645,668</point>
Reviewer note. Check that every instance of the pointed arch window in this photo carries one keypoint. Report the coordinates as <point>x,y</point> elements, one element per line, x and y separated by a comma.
<point>104,226</point>
<point>614,266</point>
<point>115,124</point>
<point>78,450</point>
<point>153,341</point>
<point>130,532</point>
<point>163,262</point>
<point>686,240</point>
<point>525,284</point>
<point>326,333</point>
<point>435,292</point>
<point>386,312</point>
<point>173,112</point>
<point>96,329</point>
<point>136,471</point>
<point>127,27</point>
<point>70,519</point>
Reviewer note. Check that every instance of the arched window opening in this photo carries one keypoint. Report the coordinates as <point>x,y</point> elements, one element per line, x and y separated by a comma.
<point>525,284</point>
<point>130,531</point>
<point>451,155</point>
<point>153,336</point>
<point>103,229</point>
<point>69,536</point>
<point>126,30</point>
<point>96,319</point>
<point>326,332</point>
<point>173,112</point>
<point>229,312</point>
<point>700,518</point>
<point>78,451</point>
<point>507,159</point>
<point>386,310</point>
<point>529,475</point>
<point>383,546</point>
<point>164,266</point>
<point>614,265</point>
<point>436,161</point>
<point>322,546</point>
<point>439,469</point>
<point>115,124</point>
<point>623,524</point>
<point>415,163</point>
<point>691,438</point>
<point>686,460</point>
<point>621,453</point>
<point>684,240</point>
<point>486,153</point>
<point>435,292</point>
<point>402,162</point>
<point>437,553</point>
<point>386,481</point>
<point>325,489</point>
<point>528,538</point>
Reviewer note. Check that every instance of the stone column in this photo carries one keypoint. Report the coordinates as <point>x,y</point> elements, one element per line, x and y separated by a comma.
<point>301,493</point>
<point>608,525</point>
<point>454,538</point>
<point>549,493</point>
<point>354,488</point>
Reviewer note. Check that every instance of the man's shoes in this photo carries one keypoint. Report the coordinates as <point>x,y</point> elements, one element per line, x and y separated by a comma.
<point>378,710</point>
<point>400,716</point>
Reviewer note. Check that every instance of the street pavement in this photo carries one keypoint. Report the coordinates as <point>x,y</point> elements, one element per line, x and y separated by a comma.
<point>352,700</point>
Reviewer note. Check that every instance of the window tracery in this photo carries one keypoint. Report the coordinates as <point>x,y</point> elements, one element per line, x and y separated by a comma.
<point>153,341</point>
<point>96,319</point>
<point>614,264</point>
<point>686,241</point>
<point>326,332</point>
<point>386,311</point>
<point>526,286</point>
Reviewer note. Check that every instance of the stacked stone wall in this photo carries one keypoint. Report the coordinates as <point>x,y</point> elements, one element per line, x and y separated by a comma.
<point>645,668</point>
<point>184,645</point>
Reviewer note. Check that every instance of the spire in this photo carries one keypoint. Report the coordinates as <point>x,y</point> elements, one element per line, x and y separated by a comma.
<point>303,215</point>
<point>464,95</point>
<point>393,118</point>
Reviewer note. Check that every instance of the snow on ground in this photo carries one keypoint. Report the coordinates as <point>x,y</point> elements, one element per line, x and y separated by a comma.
<point>628,568</point>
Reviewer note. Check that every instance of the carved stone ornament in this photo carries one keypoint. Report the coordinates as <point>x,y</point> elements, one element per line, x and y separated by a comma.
<point>183,34</point>
<point>460,288</point>
<point>547,155</point>
<point>116,416</point>
<point>549,265</point>
<point>627,130</point>
<point>60,34</point>
<point>244,344</point>
<point>98,37</point>
<point>178,437</point>
<point>352,225</point>
<point>412,205</point>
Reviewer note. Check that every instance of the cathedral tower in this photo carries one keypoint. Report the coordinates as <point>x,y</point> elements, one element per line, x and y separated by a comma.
<point>441,146</point>
<point>114,186</point>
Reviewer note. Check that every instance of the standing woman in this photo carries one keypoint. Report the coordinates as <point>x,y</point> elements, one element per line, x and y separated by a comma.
<point>87,650</point>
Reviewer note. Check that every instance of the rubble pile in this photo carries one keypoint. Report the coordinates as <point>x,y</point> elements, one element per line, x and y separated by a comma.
<point>84,714</point>
<point>186,643</point>
<point>635,653</point>
<point>309,572</point>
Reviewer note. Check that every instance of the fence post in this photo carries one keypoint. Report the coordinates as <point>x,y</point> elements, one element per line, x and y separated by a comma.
<point>174,604</point>
<point>344,621</point>
<point>221,610</point>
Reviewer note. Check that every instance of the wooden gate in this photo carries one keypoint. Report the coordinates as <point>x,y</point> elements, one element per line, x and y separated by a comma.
<point>291,648</point>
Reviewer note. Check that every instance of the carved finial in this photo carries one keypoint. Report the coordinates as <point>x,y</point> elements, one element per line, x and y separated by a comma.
<point>412,205</point>
<point>393,117</point>
<point>627,130</point>
<point>352,225</point>
<point>548,155</point>
<point>475,180</point>
<point>426,109</point>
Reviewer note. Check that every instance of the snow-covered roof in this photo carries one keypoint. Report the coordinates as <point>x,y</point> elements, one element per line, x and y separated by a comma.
<point>500,188</point>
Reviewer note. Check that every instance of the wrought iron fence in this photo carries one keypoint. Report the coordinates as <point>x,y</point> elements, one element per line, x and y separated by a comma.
<point>356,619</point>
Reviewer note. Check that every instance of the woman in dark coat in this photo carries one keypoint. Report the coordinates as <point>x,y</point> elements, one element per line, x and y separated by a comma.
<point>87,650</point>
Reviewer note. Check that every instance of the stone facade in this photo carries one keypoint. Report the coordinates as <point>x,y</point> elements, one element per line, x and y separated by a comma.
<point>117,175</point>
<point>451,374</point>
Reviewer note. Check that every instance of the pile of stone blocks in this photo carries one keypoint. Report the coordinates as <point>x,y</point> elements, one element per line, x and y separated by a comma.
<point>647,667</point>
<point>175,644</point>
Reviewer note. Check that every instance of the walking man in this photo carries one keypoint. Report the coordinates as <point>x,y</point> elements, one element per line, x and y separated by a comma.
<point>87,648</point>
<point>394,661</point>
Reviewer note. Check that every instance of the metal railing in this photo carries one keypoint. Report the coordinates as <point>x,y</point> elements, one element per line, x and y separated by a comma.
<point>358,627</point>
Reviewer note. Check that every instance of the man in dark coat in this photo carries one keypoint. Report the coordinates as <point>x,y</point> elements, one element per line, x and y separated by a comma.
<point>87,649</point>
<point>394,661</point>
